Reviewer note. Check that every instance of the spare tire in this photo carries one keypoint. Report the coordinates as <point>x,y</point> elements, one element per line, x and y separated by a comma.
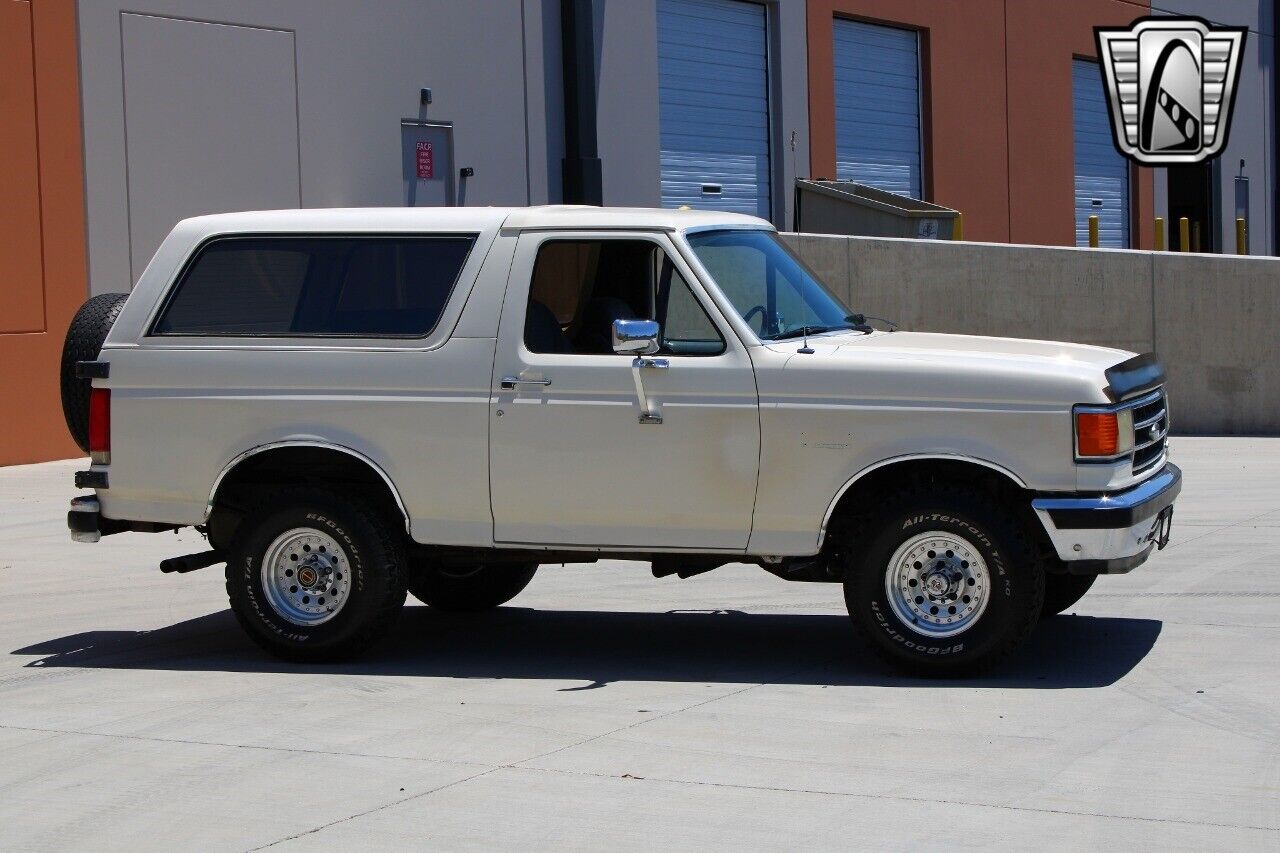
<point>84,341</point>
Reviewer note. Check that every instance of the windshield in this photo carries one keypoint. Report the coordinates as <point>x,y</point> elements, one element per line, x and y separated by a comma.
<point>769,286</point>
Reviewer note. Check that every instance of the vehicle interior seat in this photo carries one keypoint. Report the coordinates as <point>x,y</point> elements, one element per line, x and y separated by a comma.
<point>542,331</point>
<point>597,323</point>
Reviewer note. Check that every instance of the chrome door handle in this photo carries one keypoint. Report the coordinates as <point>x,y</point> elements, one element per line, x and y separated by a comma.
<point>652,363</point>
<point>509,383</point>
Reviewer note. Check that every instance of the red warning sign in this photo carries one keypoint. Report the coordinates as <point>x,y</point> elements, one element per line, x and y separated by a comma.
<point>425,158</point>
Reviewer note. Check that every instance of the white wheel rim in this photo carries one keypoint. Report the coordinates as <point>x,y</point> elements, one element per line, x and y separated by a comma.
<point>938,584</point>
<point>306,576</point>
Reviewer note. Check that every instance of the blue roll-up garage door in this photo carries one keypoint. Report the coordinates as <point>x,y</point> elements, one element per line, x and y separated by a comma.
<point>713,96</point>
<point>1102,174</point>
<point>877,73</point>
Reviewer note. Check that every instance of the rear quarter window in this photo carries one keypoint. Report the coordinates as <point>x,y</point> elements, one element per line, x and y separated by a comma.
<point>362,287</point>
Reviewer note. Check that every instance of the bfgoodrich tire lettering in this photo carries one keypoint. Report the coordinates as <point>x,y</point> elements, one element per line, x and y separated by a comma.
<point>373,567</point>
<point>931,645</point>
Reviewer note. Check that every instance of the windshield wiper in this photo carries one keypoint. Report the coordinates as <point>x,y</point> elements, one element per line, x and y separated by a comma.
<point>853,323</point>
<point>803,331</point>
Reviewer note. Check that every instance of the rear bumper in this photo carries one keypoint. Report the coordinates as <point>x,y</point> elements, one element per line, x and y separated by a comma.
<point>87,524</point>
<point>1115,532</point>
<point>84,519</point>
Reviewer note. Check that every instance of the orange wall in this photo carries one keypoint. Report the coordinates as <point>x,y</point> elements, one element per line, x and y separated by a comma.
<point>997,107</point>
<point>42,254</point>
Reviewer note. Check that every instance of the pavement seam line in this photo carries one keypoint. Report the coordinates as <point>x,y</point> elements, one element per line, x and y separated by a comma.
<point>513,765</point>
<point>188,742</point>
<point>637,724</point>
<point>892,797</point>
<point>1222,528</point>
<point>374,810</point>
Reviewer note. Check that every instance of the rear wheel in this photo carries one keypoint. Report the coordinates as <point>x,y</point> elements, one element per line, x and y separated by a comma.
<point>1062,591</point>
<point>314,576</point>
<point>480,586</point>
<point>943,581</point>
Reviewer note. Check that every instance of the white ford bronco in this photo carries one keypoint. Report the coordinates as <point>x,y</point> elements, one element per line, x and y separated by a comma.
<point>352,404</point>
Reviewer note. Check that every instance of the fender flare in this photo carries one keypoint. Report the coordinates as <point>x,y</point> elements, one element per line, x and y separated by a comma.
<point>910,457</point>
<point>307,442</point>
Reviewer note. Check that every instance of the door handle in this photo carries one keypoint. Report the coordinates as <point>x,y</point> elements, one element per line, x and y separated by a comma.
<point>652,363</point>
<point>509,383</point>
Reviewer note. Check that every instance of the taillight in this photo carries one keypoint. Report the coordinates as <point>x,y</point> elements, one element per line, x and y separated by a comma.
<point>100,426</point>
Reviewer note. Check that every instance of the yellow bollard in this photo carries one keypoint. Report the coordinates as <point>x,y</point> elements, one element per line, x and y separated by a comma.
<point>1093,232</point>
<point>1159,233</point>
<point>957,227</point>
<point>1242,242</point>
<point>1184,235</point>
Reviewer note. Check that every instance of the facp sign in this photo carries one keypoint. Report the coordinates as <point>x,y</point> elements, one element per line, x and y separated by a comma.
<point>1171,83</point>
<point>425,160</point>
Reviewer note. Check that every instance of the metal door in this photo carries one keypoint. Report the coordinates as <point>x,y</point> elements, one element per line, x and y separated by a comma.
<point>713,98</point>
<point>877,71</point>
<point>1102,174</point>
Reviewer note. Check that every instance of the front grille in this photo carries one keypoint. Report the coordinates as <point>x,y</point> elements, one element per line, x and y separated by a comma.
<point>1150,431</point>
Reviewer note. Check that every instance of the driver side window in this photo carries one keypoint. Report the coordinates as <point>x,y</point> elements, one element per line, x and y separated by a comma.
<point>580,287</point>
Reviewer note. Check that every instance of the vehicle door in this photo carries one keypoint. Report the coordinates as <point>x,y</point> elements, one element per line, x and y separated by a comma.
<point>590,447</point>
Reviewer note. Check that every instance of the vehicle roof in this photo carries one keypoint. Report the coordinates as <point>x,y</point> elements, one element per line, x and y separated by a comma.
<point>381,219</point>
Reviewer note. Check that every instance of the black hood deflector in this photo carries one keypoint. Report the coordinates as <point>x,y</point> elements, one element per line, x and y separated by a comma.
<point>1130,378</point>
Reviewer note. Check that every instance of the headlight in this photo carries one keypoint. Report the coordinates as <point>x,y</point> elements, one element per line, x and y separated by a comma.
<point>1102,434</point>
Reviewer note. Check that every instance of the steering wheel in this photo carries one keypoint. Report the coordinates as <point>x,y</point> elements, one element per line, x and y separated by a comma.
<point>747,317</point>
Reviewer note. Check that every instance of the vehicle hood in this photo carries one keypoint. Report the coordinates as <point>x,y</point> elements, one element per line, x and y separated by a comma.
<point>963,368</point>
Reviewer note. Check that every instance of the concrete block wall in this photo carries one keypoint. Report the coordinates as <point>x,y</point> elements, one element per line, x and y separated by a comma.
<point>1212,318</point>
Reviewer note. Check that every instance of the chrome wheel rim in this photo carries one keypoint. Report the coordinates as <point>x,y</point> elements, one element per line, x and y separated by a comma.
<point>938,583</point>
<point>306,576</point>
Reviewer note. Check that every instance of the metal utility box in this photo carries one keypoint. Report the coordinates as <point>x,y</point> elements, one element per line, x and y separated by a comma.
<point>847,207</point>
<point>426,163</point>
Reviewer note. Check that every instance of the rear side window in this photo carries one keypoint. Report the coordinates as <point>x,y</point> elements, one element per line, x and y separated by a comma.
<point>364,287</point>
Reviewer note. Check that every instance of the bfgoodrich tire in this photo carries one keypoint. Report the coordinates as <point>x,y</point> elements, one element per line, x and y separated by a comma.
<point>1062,591</point>
<point>943,581</point>
<point>84,339</point>
<point>315,576</point>
<point>471,588</point>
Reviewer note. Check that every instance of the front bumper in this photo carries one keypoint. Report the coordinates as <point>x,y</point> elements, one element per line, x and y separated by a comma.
<point>1114,532</point>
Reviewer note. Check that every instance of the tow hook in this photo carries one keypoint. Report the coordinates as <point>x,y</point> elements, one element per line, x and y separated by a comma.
<point>191,562</point>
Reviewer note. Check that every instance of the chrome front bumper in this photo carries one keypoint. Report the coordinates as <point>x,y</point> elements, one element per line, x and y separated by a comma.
<point>1114,532</point>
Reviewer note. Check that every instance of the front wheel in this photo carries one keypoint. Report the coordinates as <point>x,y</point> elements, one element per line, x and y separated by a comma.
<point>943,581</point>
<point>1062,591</point>
<point>481,586</point>
<point>315,576</point>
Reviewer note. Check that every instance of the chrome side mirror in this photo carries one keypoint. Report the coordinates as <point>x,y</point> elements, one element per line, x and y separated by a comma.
<point>635,337</point>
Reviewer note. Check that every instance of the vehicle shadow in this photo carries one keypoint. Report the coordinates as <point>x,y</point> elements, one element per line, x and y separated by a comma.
<point>600,647</point>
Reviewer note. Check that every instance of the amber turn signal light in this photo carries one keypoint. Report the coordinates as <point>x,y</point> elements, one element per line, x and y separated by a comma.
<point>1097,434</point>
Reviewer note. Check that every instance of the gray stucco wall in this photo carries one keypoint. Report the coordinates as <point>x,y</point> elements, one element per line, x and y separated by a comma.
<point>1210,317</point>
<point>1252,125</point>
<point>354,71</point>
<point>202,106</point>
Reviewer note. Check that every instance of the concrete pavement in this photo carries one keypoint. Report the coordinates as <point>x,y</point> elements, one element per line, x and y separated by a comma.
<point>606,709</point>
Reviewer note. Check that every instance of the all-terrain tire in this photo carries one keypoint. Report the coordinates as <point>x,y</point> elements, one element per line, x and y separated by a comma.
<point>887,552</point>
<point>84,339</point>
<point>370,574</point>
<point>481,587</point>
<point>1062,591</point>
